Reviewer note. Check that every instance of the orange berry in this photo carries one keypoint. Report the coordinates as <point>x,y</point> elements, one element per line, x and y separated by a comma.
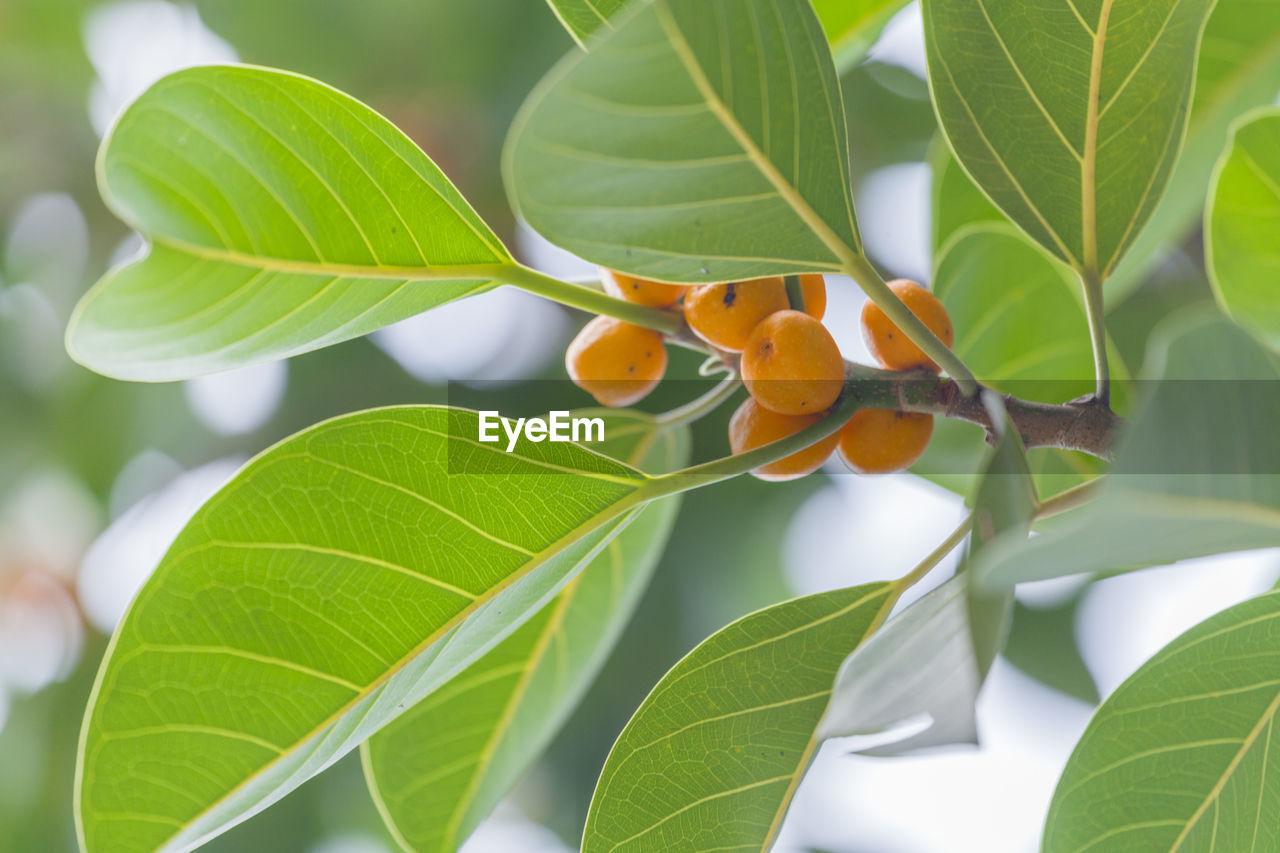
<point>813,288</point>
<point>792,365</point>
<point>879,441</point>
<point>724,314</point>
<point>753,426</point>
<point>641,291</point>
<point>886,341</point>
<point>616,362</point>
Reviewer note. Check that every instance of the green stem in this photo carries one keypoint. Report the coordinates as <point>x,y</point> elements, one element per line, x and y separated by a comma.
<point>729,467</point>
<point>861,270</point>
<point>928,564</point>
<point>1095,310</point>
<point>702,406</point>
<point>795,292</point>
<point>590,299</point>
<point>1072,498</point>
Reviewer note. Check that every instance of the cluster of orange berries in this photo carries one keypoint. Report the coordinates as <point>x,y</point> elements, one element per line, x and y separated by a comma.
<point>790,364</point>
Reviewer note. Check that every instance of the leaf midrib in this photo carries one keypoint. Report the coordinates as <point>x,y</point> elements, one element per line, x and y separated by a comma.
<point>320,269</point>
<point>615,511</point>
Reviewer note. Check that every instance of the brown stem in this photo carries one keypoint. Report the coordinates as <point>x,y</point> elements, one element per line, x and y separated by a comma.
<point>1086,425</point>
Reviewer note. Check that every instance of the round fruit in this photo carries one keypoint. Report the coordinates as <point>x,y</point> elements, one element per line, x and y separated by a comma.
<point>753,426</point>
<point>886,341</point>
<point>879,441</point>
<point>813,289</point>
<point>792,365</point>
<point>641,291</point>
<point>616,362</point>
<point>724,314</point>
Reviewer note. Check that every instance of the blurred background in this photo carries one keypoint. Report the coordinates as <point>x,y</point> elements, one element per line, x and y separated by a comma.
<point>97,476</point>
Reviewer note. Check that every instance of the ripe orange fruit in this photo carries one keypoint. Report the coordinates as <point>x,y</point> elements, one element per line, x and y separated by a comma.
<point>813,289</point>
<point>879,441</point>
<point>725,314</point>
<point>886,341</point>
<point>753,426</point>
<point>616,362</point>
<point>792,365</point>
<point>641,291</point>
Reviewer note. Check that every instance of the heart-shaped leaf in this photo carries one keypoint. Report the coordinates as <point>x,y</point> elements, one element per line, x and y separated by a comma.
<point>338,579</point>
<point>701,140</point>
<point>1179,757</point>
<point>712,758</point>
<point>1242,227</point>
<point>1068,115</point>
<point>282,216</point>
<point>438,769</point>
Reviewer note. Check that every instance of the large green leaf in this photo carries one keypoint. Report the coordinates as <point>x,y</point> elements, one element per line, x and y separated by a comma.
<point>438,769</point>
<point>339,578</point>
<point>1068,115</point>
<point>1239,69</point>
<point>1198,474</point>
<point>282,216</point>
<point>712,758</point>
<point>701,140</point>
<point>1179,757</point>
<point>1242,227</point>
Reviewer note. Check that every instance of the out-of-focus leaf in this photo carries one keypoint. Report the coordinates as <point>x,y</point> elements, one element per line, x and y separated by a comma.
<point>442,766</point>
<point>338,579</point>
<point>282,216</point>
<point>1179,757</point>
<point>930,660</point>
<point>714,755</point>
<point>1069,116</point>
<point>957,201</point>
<point>1242,227</point>
<point>1042,644</point>
<point>1198,473</point>
<point>701,140</point>
<point>584,17</point>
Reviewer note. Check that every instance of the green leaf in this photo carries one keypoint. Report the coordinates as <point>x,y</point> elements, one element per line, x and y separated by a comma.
<point>1068,115</point>
<point>1003,508</point>
<point>1198,473</point>
<point>1021,324</point>
<point>583,17</point>
<point>701,140</point>
<point>957,201</point>
<point>712,758</point>
<point>1242,227</point>
<point>1179,757</point>
<point>921,664</point>
<point>1239,69</point>
<point>438,769</point>
<point>338,579</point>
<point>1042,643</point>
<point>282,216</point>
